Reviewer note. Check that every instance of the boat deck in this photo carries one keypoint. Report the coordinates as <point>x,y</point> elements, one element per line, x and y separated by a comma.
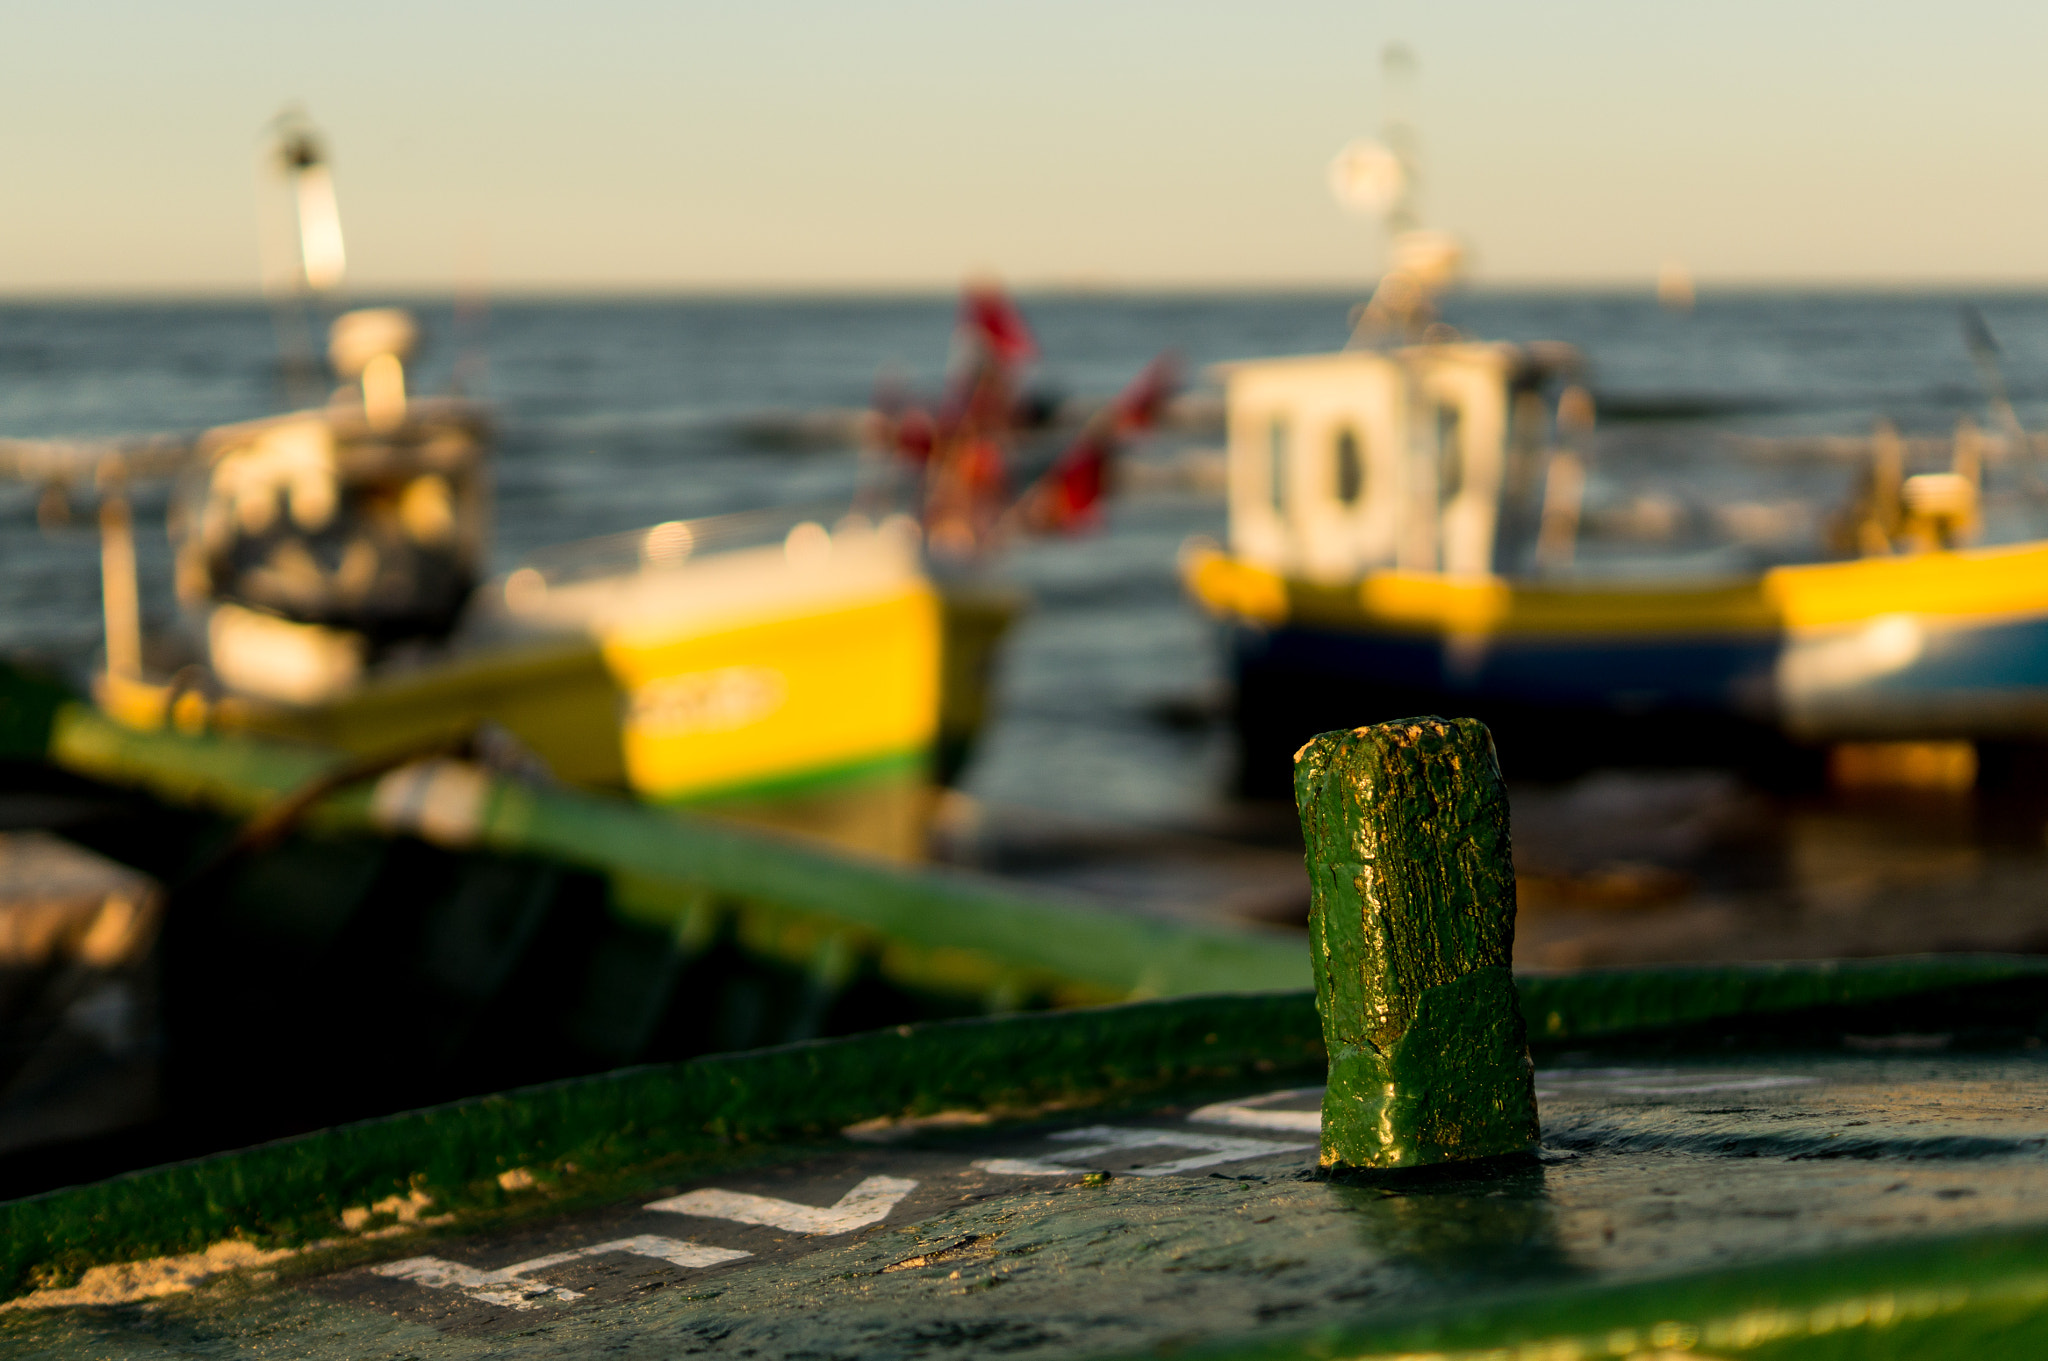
<point>1891,1195</point>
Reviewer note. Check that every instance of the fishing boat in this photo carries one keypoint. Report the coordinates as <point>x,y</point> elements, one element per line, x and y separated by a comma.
<point>1402,532</point>
<point>818,668</point>
<point>815,669</point>
<point>214,937</point>
<point>1409,532</point>
<point>332,574</point>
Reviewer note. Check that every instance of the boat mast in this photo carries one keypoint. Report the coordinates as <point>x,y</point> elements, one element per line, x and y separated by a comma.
<point>1397,79</point>
<point>1379,180</point>
<point>120,588</point>
<point>304,280</point>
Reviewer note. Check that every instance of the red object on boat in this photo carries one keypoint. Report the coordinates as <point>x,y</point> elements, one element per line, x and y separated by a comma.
<point>960,446</point>
<point>1067,498</point>
<point>987,313</point>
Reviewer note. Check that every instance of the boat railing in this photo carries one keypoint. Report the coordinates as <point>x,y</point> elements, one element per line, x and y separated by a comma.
<point>673,542</point>
<point>115,458</point>
<point>1997,447</point>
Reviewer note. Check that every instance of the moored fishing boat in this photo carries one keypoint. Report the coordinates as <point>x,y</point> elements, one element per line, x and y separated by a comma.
<point>1400,532</point>
<point>798,667</point>
<point>342,937</point>
<point>1410,531</point>
<point>817,668</point>
<point>331,574</point>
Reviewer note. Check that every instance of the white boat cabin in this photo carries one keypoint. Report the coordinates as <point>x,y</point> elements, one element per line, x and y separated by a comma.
<point>1424,458</point>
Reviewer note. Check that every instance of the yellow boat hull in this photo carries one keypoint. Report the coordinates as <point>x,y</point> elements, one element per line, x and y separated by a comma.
<point>825,713</point>
<point>1948,646</point>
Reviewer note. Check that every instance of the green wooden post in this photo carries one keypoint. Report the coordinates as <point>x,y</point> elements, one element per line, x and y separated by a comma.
<point>1412,924</point>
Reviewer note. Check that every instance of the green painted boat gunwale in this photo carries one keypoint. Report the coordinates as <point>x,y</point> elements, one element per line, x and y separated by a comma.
<point>696,1113</point>
<point>1055,939</point>
<point>846,774</point>
<point>1649,1001</point>
<point>292,1191</point>
<point>1957,1298</point>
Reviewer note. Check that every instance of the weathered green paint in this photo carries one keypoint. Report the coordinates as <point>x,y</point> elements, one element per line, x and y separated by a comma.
<point>646,1121</point>
<point>1603,1003</point>
<point>1956,1299</point>
<point>1868,1206</point>
<point>1412,924</point>
<point>290,1190</point>
<point>622,1120</point>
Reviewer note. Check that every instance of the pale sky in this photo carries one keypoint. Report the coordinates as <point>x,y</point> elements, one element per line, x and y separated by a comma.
<point>798,143</point>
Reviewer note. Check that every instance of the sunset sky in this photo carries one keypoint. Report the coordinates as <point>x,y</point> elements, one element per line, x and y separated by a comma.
<point>615,144</point>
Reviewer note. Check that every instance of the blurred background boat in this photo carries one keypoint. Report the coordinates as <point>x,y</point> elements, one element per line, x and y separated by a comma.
<point>1410,532</point>
<point>209,939</point>
<point>799,666</point>
<point>820,668</point>
<point>1405,537</point>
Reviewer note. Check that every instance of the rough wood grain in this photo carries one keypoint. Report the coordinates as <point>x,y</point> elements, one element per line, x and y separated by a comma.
<point>1412,927</point>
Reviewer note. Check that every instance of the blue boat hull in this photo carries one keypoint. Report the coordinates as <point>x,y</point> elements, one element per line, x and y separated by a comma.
<point>1766,702</point>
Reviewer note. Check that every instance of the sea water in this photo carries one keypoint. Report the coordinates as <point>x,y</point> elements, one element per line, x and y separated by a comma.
<point>619,413</point>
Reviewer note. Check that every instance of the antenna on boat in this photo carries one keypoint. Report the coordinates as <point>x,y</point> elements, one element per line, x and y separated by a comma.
<point>472,316</point>
<point>1983,348</point>
<point>1397,72</point>
<point>1378,180</point>
<point>305,277</point>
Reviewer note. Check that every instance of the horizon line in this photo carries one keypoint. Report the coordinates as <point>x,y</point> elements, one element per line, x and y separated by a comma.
<point>1048,287</point>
